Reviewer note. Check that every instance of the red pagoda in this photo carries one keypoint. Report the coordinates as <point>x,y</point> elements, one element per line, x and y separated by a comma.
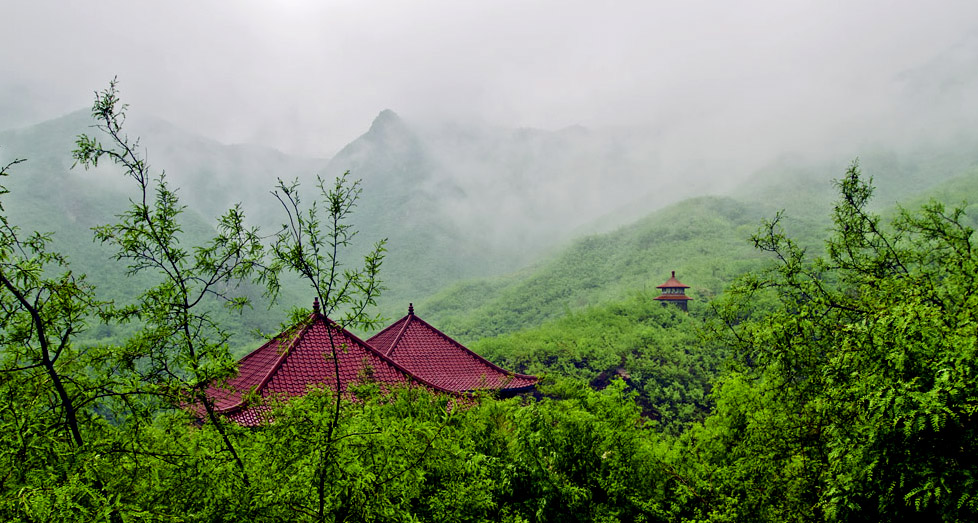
<point>674,291</point>
<point>436,358</point>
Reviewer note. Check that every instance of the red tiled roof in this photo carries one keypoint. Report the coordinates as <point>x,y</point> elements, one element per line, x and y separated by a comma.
<point>672,297</point>
<point>673,283</point>
<point>435,357</point>
<point>295,361</point>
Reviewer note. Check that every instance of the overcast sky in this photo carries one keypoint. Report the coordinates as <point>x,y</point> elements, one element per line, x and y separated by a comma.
<point>309,76</point>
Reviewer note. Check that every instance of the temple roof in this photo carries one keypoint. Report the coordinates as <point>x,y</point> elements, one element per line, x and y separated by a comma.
<point>300,359</point>
<point>435,357</point>
<point>673,283</point>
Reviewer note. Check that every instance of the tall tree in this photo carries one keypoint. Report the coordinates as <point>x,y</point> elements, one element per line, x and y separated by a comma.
<point>856,399</point>
<point>180,350</point>
<point>312,243</point>
<point>49,423</point>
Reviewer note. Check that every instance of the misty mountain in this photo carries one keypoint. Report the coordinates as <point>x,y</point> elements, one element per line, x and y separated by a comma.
<point>463,201</point>
<point>534,188</point>
<point>452,205</point>
<point>805,187</point>
<point>704,239</point>
<point>47,195</point>
<point>403,203</point>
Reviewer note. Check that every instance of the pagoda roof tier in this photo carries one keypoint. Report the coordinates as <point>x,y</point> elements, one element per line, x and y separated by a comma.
<point>672,297</point>
<point>673,283</point>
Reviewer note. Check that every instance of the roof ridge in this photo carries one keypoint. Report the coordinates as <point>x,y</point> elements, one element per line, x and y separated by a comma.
<point>291,343</point>
<point>673,283</point>
<point>278,363</point>
<point>473,353</point>
<point>382,331</point>
<point>390,361</point>
<point>400,334</point>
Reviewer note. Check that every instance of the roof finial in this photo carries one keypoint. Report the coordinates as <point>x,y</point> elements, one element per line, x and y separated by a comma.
<point>315,305</point>
<point>411,309</point>
<point>673,274</point>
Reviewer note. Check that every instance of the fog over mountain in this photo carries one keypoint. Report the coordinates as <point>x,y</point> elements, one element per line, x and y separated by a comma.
<point>540,172</point>
<point>717,84</point>
<point>488,133</point>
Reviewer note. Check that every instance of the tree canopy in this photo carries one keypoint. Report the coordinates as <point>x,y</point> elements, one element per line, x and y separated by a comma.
<point>830,386</point>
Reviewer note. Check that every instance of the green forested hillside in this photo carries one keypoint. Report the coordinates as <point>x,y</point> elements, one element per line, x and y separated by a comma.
<point>657,349</point>
<point>53,197</point>
<point>703,239</point>
<point>849,396</point>
<point>590,314</point>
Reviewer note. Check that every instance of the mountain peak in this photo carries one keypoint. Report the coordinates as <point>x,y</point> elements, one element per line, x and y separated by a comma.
<point>386,120</point>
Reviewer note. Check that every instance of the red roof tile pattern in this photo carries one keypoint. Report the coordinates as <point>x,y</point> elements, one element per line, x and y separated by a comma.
<point>435,357</point>
<point>293,362</point>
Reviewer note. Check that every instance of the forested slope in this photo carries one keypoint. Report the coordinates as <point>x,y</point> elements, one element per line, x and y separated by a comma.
<point>658,350</point>
<point>702,239</point>
<point>52,197</point>
<point>705,240</point>
<point>825,373</point>
<point>661,353</point>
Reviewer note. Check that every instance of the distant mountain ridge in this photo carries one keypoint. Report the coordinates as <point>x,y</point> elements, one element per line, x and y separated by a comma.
<point>47,195</point>
<point>705,239</point>
<point>462,202</point>
<point>490,203</point>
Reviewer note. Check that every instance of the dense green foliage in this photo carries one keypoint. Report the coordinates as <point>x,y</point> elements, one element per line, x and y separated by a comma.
<point>656,348</point>
<point>51,196</point>
<point>837,384</point>
<point>856,398</point>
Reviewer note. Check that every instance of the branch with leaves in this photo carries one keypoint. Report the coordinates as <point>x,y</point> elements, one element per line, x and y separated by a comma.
<point>312,246</point>
<point>180,350</point>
